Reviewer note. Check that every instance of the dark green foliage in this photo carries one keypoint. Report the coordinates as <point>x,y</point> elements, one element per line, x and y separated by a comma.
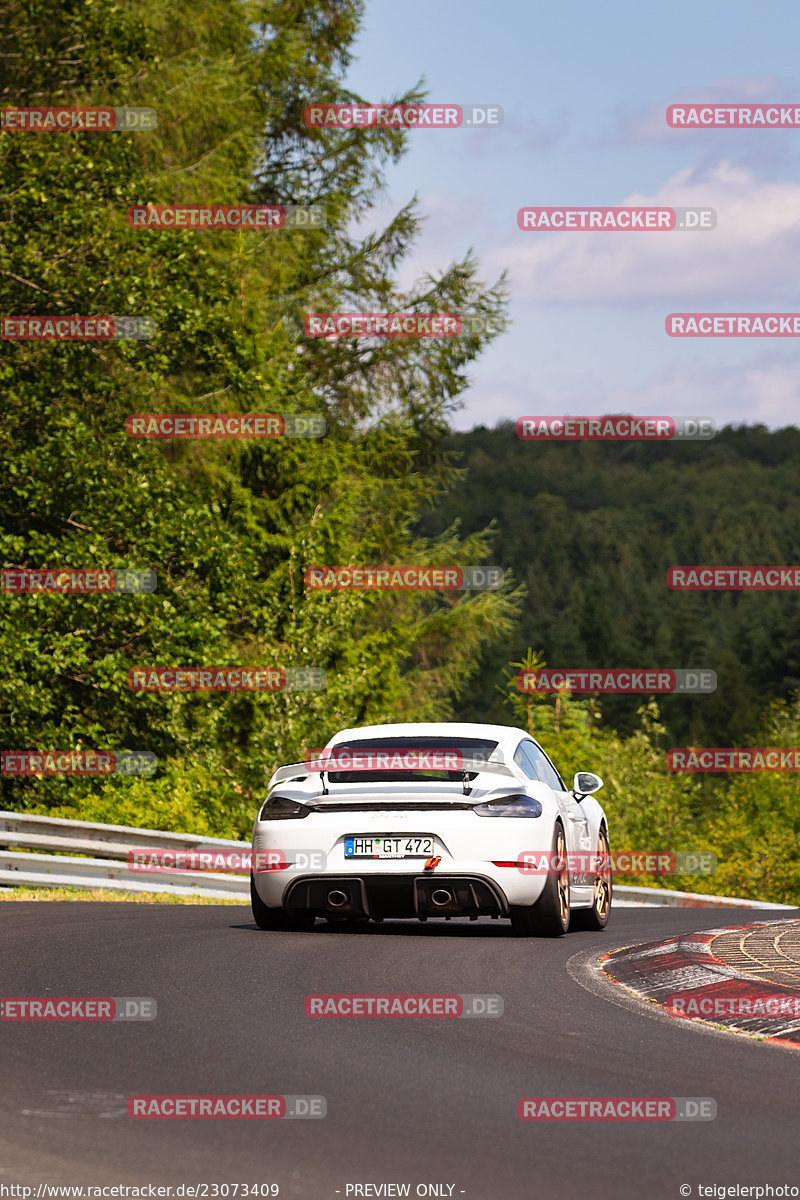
<point>590,528</point>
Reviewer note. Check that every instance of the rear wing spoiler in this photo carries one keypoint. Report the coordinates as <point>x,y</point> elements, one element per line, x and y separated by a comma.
<point>319,767</point>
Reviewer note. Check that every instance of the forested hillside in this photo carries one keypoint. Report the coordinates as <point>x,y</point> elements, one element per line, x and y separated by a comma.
<point>590,528</point>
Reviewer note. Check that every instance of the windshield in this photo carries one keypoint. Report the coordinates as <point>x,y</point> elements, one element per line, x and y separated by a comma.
<point>432,754</point>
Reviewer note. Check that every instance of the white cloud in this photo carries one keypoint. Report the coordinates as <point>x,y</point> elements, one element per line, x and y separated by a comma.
<point>751,253</point>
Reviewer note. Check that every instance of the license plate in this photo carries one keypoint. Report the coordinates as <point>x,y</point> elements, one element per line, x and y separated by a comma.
<point>388,847</point>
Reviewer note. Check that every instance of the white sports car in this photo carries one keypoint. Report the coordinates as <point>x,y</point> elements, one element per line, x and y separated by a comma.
<point>401,821</point>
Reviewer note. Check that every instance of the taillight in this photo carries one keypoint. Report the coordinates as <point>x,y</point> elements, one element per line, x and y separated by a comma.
<point>509,806</point>
<point>282,808</point>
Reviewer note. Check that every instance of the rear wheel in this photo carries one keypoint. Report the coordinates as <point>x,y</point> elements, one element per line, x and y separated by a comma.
<point>274,918</point>
<point>597,916</point>
<point>549,916</point>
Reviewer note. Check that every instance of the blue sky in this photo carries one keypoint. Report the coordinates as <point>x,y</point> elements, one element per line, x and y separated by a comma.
<point>584,87</point>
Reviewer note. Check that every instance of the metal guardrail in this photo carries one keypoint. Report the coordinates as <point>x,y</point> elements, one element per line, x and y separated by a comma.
<point>645,897</point>
<point>106,843</point>
<point>29,867</point>
<point>43,832</point>
<point>53,870</point>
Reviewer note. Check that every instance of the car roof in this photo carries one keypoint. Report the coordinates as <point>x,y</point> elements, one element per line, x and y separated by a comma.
<point>504,735</point>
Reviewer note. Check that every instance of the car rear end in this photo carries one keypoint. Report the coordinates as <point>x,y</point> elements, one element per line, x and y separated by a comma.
<point>413,852</point>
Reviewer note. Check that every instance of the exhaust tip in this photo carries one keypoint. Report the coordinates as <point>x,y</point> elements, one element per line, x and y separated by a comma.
<point>441,897</point>
<point>337,898</point>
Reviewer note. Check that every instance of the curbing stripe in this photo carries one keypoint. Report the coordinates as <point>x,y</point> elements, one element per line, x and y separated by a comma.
<point>657,970</point>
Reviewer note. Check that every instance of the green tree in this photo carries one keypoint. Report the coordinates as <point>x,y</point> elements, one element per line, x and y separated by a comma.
<point>228,527</point>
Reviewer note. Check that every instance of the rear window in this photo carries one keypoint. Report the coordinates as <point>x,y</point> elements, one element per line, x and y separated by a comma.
<point>438,751</point>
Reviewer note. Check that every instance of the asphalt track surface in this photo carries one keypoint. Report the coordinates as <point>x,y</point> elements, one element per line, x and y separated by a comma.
<point>410,1101</point>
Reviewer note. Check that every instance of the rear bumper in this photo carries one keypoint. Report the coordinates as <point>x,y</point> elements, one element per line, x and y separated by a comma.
<point>387,895</point>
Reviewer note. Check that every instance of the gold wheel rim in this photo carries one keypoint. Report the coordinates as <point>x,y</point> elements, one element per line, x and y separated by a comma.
<point>602,878</point>
<point>563,877</point>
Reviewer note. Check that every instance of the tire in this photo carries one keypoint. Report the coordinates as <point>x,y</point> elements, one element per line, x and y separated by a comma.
<point>550,915</point>
<point>274,918</point>
<point>596,917</point>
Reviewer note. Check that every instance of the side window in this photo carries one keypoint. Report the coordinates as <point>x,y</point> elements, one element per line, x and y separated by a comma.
<point>524,761</point>
<point>545,771</point>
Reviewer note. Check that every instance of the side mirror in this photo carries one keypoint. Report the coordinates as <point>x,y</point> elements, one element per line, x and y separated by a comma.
<point>585,783</point>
